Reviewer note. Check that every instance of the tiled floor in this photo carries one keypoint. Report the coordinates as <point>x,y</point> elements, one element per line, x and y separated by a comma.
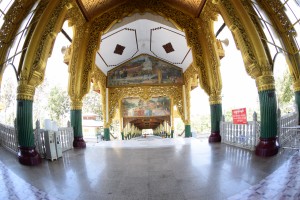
<point>154,169</point>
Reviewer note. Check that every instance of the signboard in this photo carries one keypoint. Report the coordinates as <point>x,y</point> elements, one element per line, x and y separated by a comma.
<point>239,116</point>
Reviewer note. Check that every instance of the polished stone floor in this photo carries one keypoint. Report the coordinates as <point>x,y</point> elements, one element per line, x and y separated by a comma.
<point>154,169</point>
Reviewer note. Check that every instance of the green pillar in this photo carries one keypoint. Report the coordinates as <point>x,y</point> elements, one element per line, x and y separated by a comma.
<point>76,123</point>
<point>215,118</point>
<point>187,131</point>
<point>268,128</point>
<point>172,133</point>
<point>106,134</point>
<point>27,154</point>
<point>297,101</point>
<point>122,133</point>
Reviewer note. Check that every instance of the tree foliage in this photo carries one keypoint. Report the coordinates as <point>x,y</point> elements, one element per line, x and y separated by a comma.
<point>8,100</point>
<point>40,102</point>
<point>285,92</point>
<point>59,104</point>
<point>92,103</point>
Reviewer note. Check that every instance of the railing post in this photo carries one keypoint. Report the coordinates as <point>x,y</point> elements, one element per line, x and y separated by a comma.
<point>16,138</point>
<point>279,126</point>
<point>254,116</point>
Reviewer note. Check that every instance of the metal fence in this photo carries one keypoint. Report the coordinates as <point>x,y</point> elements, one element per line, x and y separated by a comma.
<point>288,137</point>
<point>247,135</point>
<point>241,135</point>
<point>66,135</point>
<point>9,138</point>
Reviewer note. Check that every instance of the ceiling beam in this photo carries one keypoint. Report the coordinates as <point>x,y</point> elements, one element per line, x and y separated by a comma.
<point>82,9</point>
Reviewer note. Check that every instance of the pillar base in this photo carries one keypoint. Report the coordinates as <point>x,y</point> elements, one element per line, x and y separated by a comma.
<point>266,147</point>
<point>214,137</point>
<point>79,143</point>
<point>29,156</point>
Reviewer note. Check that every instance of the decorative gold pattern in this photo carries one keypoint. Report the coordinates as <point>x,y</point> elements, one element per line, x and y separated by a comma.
<point>99,78</point>
<point>296,86</point>
<point>95,7</point>
<point>191,7</point>
<point>81,62</point>
<point>215,99</point>
<point>13,20</point>
<point>212,59</point>
<point>248,41</point>
<point>76,104</point>
<point>146,92</point>
<point>276,10</point>
<point>265,82</point>
<point>25,92</point>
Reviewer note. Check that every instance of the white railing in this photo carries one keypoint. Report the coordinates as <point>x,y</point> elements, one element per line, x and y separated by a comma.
<point>241,135</point>
<point>66,138</point>
<point>287,137</point>
<point>9,138</point>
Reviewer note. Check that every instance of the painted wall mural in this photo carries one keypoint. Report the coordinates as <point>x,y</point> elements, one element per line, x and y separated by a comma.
<point>136,107</point>
<point>144,70</point>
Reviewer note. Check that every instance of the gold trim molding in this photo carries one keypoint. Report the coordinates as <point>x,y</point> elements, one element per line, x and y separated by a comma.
<point>215,99</point>
<point>76,104</point>
<point>144,92</point>
<point>265,82</point>
<point>25,92</point>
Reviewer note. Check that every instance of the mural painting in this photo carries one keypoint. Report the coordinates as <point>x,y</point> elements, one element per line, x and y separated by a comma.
<point>145,70</point>
<point>136,107</point>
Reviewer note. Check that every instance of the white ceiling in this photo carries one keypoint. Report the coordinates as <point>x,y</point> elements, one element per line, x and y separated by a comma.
<point>143,34</point>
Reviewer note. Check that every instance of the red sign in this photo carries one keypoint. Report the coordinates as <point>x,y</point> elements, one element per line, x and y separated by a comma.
<point>239,116</point>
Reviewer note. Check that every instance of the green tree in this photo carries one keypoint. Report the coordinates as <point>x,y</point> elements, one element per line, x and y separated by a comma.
<point>40,103</point>
<point>92,104</point>
<point>59,104</point>
<point>284,92</point>
<point>8,100</point>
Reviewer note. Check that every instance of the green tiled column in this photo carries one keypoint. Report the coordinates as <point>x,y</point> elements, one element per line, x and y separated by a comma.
<point>215,118</point>
<point>106,134</point>
<point>268,128</point>
<point>187,131</point>
<point>27,154</point>
<point>76,123</point>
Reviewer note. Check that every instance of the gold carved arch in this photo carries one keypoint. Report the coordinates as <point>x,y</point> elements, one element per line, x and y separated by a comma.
<point>103,22</point>
<point>279,18</point>
<point>39,48</point>
<point>12,22</point>
<point>248,41</point>
<point>145,93</point>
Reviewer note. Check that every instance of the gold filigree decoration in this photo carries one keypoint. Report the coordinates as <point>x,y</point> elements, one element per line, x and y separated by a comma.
<point>99,78</point>
<point>76,104</point>
<point>40,48</point>
<point>25,92</point>
<point>276,10</point>
<point>145,92</point>
<point>212,59</point>
<point>101,23</point>
<point>80,68</point>
<point>10,27</point>
<point>253,53</point>
<point>296,86</point>
<point>265,82</point>
<point>215,99</point>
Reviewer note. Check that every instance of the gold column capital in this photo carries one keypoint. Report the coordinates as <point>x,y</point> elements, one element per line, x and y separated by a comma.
<point>215,99</point>
<point>76,104</point>
<point>265,82</point>
<point>25,92</point>
<point>296,85</point>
